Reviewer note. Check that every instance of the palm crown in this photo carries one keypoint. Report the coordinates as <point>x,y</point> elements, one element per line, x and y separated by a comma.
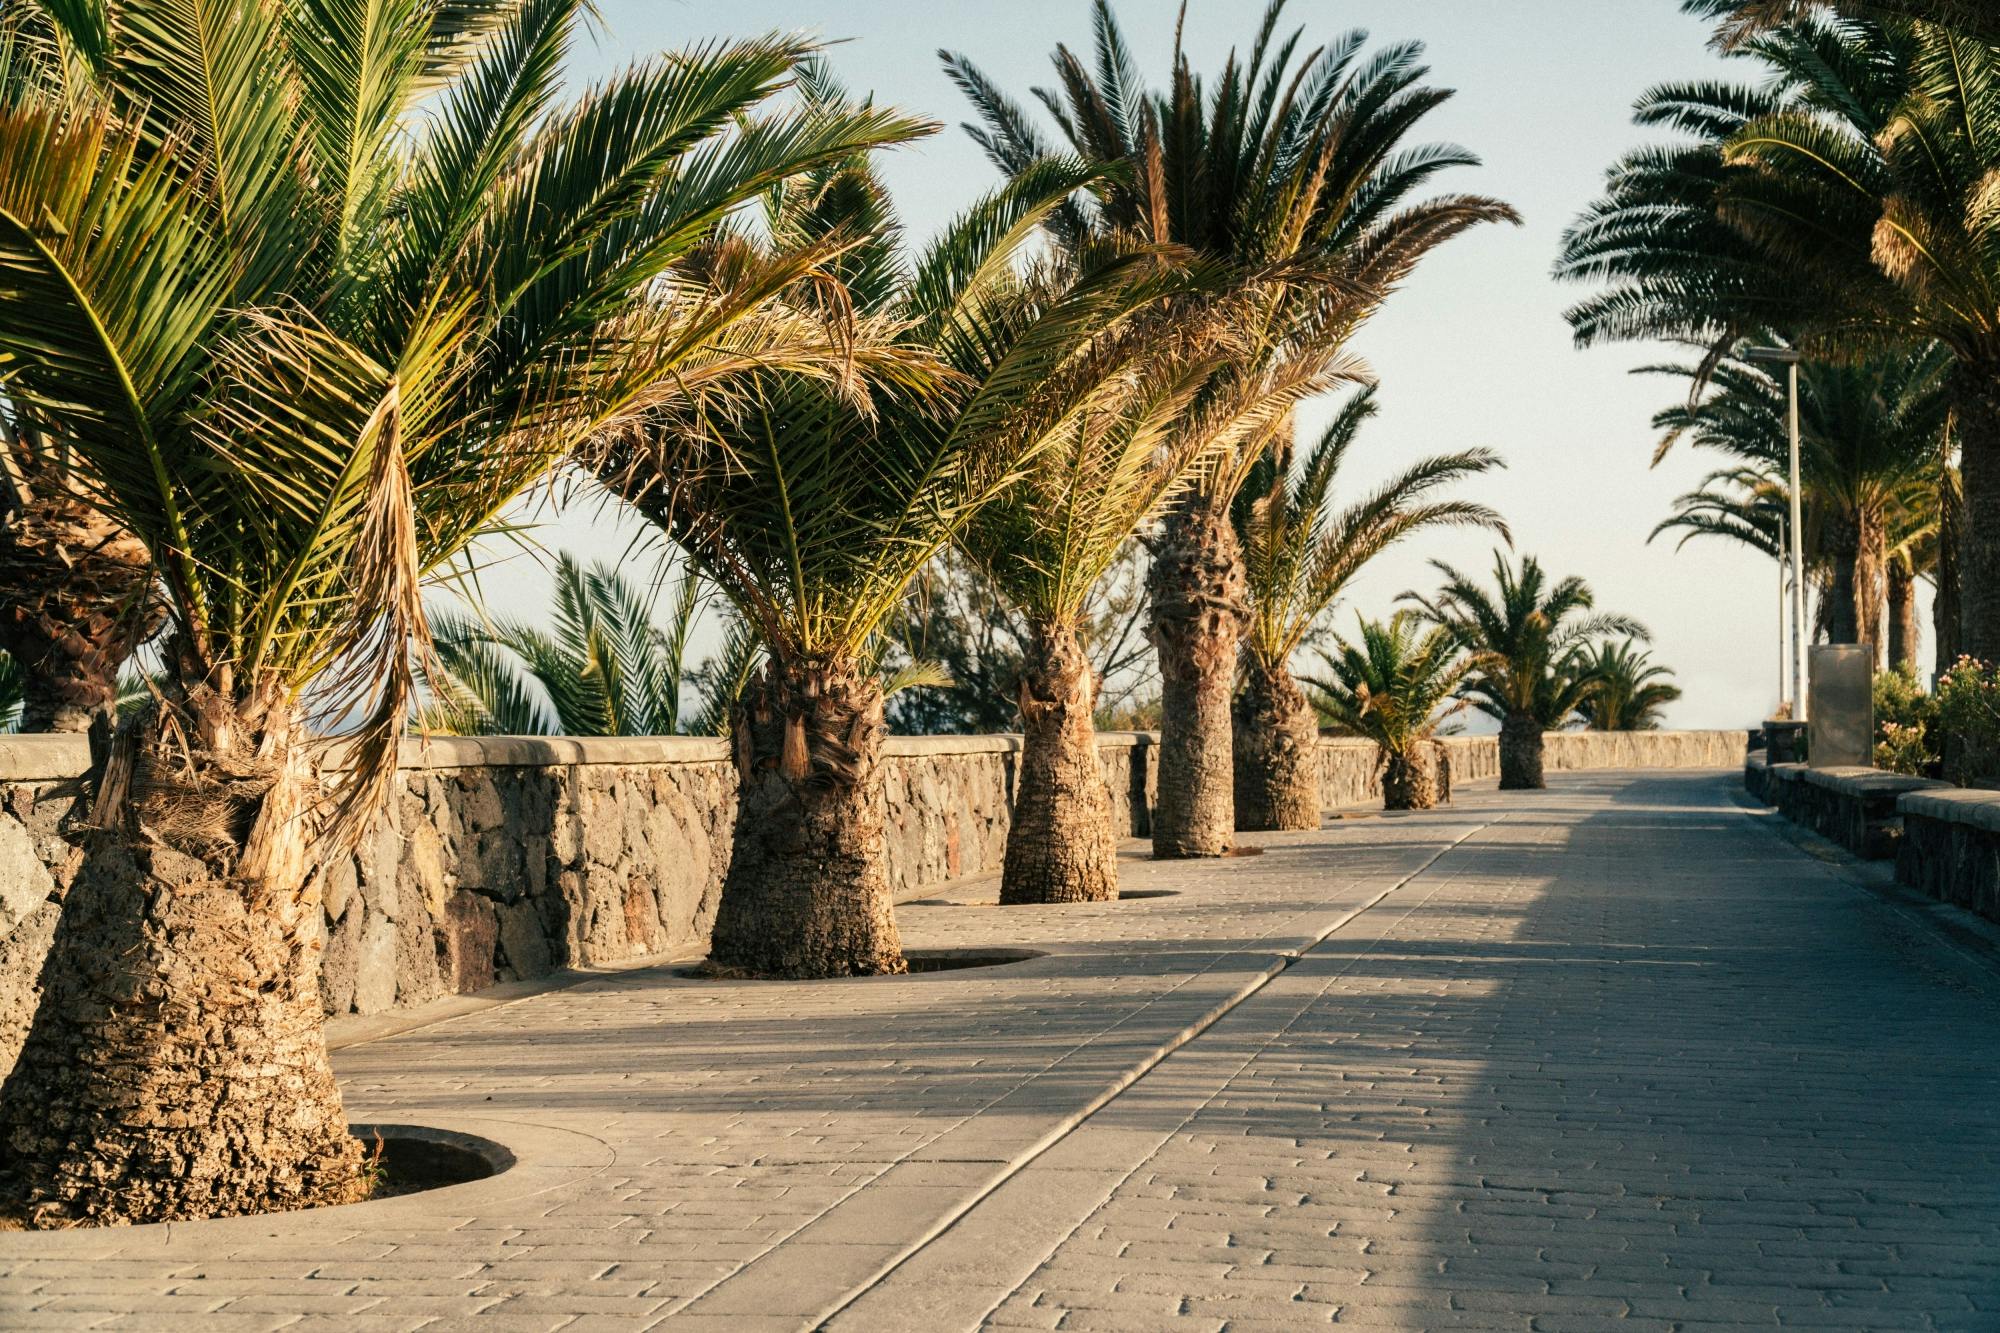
<point>1627,689</point>
<point>1301,548</point>
<point>605,667</point>
<point>306,352</point>
<point>1525,638</point>
<point>1393,683</point>
<point>1292,167</point>
<point>812,504</point>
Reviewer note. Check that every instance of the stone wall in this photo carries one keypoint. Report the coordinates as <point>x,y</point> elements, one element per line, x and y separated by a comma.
<point>1951,847</point>
<point>506,858</point>
<point>1855,807</point>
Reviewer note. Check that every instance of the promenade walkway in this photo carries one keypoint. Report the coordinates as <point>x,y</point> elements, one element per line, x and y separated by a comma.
<point>1614,1056</point>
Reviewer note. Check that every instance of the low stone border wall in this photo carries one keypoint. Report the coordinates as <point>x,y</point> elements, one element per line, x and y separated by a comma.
<point>1855,807</point>
<point>1951,847</point>
<point>507,858</point>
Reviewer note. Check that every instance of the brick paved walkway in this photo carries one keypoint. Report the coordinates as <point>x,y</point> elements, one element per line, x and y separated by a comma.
<point>1609,1056</point>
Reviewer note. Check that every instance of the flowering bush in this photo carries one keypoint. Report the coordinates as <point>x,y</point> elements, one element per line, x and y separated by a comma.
<point>1968,720</point>
<point>1905,723</point>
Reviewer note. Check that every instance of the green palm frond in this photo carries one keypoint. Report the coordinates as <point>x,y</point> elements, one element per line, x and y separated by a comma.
<point>1393,684</point>
<point>1627,691</point>
<point>1291,169</point>
<point>1524,637</point>
<point>1302,548</point>
<point>307,343</point>
<point>605,667</point>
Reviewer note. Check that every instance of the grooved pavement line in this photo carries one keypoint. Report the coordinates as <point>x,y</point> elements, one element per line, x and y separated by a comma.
<point>788,1271</point>
<point>958,1276</point>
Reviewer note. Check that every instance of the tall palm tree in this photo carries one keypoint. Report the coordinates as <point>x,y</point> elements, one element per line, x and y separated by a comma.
<point>305,351</point>
<point>1873,436</point>
<point>812,512</point>
<point>1845,201</point>
<point>1394,687</point>
<point>1627,690</point>
<point>605,667</point>
<point>1292,168</point>
<point>1047,543</point>
<point>1526,638</point>
<point>1301,550</point>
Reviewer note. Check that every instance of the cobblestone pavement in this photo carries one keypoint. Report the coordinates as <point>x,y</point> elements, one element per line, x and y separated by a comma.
<point>1608,1056</point>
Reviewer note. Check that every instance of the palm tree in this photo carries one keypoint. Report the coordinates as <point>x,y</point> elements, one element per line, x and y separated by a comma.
<point>1301,550</point>
<point>1393,688</point>
<point>1873,437</point>
<point>1741,19</point>
<point>1295,173</point>
<point>304,353</point>
<point>604,668</point>
<point>1627,691</point>
<point>1048,542</point>
<point>812,511</point>
<point>1846,202</point>
<point>1526,639</point>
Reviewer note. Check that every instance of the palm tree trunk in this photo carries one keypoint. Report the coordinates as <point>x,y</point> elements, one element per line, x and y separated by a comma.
<point>1409,781</point>
<point>1978,401</point>
<point>1521,753</point>
<point>1197,587</point>
<point>1060,847</point>
<point>176,1066</point>
<point>1901,593</point>
<point>1947,608</point>
<point>74,603</point>
<point>1276,742</point>
<point>807,894</point>
<point>1838,608</point>
<point>1871,560</point>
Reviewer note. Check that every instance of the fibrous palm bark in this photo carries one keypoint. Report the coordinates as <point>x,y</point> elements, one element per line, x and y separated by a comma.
<point>75,602</point>
<point>1060,846</point>
<point>1977,392</point>
<point>1521,753</point>
<point>807,894</point>
<point>1200,606</point>
<point>1410,779</point>
<point>1903,633</point>
<point>1276,744</point>
<point>190,931</point>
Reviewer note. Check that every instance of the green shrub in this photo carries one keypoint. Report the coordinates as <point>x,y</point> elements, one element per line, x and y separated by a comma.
<point>1968,720</point>
<point>1905,723</point>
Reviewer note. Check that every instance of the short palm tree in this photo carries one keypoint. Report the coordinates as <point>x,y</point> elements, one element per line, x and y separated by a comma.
<point>1296,174</point>
<point>812,511</point>
<point>305,351</point>
<point>1525,637</point>
<point>1302,548</point>
<point>604,667</point>
<point>1627,690</point>
<point>1047,543</point>
<point>1395,686</point>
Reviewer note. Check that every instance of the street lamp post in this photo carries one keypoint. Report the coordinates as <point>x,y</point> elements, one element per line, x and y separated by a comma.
<point>1789,358</point>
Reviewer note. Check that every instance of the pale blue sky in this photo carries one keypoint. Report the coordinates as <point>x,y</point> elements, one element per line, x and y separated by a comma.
<point>1473,351</point>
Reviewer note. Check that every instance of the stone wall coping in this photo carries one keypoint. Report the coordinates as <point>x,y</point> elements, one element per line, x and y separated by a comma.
<point>52,758</point>
<point>1955,805</point>
<point>1861,781</point>
<point>43,758</point>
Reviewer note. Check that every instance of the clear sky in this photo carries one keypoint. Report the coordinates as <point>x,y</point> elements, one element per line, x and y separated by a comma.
<point>1474,351</point>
